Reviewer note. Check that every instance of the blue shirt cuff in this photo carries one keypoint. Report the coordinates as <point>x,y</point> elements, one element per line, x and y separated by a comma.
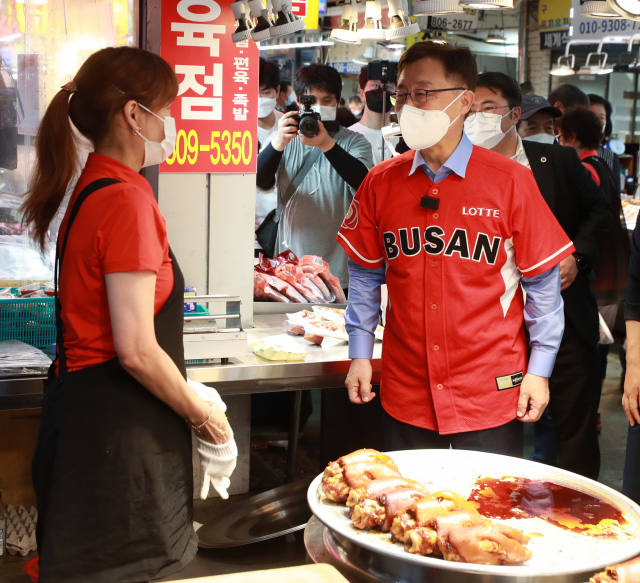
<point>361,346</point>
<point>541,363</point>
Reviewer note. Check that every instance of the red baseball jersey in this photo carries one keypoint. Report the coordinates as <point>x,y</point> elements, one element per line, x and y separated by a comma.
<point>454,351</point>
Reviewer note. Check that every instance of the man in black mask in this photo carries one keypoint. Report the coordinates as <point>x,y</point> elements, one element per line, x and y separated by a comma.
<point>371,123</point>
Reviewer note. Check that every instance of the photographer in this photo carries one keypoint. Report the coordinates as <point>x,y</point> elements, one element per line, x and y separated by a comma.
<point>310,215</point>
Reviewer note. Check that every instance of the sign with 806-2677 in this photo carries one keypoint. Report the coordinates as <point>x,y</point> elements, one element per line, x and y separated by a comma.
<point>216,108</point>
<point>467,20</point>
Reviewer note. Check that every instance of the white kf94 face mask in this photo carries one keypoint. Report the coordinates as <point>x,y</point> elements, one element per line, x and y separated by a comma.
<point>541,138</point>
<point>265,106</point>
<point>157,152</point>
<point>424,128</point>
<point>326,112</point>
<point>485,130</point>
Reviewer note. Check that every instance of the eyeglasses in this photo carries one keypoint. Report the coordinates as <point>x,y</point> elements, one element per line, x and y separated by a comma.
<point>486,112</point>
<point>418,96</point>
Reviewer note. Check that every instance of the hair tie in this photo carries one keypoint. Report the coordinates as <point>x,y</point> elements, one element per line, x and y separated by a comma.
<point>69,87</point>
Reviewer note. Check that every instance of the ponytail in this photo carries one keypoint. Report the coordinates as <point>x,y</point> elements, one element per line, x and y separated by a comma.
<point>104,84</point>
<point>56,162</point>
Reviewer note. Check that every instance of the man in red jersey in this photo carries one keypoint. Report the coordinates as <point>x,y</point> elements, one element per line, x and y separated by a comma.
<point>454,230</point>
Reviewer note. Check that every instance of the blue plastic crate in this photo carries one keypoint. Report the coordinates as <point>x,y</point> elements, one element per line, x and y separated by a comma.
<point>30,320</point>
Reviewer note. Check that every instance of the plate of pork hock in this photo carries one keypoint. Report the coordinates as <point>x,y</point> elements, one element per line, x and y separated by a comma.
<point>476,513</point>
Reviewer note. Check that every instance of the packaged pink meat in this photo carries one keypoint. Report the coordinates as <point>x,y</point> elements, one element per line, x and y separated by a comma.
<point>296,280</point>
<point>284,288</point>
<point>263,291</point>
<point>269,266</point>
<point>333,283</point>
<point>312,273</point>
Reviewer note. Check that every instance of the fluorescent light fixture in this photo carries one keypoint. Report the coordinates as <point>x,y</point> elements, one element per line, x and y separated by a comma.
<point>284,46</point>
<point>565,66</point>
<point>487,4</point>
<point>372,28</point>
<point>347,31</point>
<point>10,37</point>
<point>496,37</point>
<point>395,46</point>
<point>599,9</point>
<point>599,68</point>
<point>399,23</point>
<point>437,7</point>
<point>370,54</point>
<point>626,8</point>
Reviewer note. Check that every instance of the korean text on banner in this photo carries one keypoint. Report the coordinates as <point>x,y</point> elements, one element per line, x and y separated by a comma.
<point>216,109</point>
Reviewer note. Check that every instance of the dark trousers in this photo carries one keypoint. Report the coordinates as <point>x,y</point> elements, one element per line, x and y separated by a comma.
<point>574,388</point>
<point>506,439</point>
<point>631,479</point>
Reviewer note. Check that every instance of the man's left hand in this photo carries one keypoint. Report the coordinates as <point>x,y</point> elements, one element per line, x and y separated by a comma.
<point>534,398</point>
<point>322,140</point>
<point>568,271</point>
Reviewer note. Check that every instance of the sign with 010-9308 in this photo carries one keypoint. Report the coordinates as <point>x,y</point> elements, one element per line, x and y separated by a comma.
<point>464,21</point>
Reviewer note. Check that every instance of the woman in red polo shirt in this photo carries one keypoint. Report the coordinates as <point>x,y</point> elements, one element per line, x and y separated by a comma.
<point>112,468</point>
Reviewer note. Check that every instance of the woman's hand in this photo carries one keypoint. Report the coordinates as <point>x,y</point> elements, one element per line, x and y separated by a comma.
<point>217,430</point>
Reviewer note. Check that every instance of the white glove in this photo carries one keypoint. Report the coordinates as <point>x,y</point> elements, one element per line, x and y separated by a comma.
<point>218,463</point>
<point>207,394</point>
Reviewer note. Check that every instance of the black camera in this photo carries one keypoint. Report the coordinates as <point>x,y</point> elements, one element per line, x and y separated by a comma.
<point>308,119</point>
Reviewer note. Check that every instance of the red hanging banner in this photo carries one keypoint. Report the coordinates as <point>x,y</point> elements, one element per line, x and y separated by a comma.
<point>216,109</point>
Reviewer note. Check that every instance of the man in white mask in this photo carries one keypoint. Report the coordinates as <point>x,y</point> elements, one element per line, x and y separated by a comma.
<point>567,431</point>
<point>268,116</point>
<point>454,230</point>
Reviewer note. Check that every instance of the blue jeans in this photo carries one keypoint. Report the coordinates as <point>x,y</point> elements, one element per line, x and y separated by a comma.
<point>631,477</point>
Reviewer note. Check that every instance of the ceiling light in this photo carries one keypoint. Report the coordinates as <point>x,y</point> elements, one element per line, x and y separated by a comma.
<point>599,9</point>
<point>244,24</point>
<point>497,37</point>
<point>296,45</point>
<point>395,46</point>
<point>9,38</point>
<point>286,22</point>
<point>627,8</point>
<point>565,66</point>
<point>399,23</point>
<point>370,54</point>
<point>347,31</point>
<point>262,16</point>
<point>597,69</point>
<point>487,4</point>
<point>437,7</point>
<point>372,28</point>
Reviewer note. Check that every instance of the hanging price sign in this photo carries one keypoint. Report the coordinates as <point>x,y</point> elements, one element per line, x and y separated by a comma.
<point>216,111</point>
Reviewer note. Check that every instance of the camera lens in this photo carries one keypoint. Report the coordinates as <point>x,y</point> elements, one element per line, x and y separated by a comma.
<point>309,126</point>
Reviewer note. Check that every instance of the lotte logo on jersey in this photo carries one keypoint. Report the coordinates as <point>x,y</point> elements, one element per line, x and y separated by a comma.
<point>409,242</point>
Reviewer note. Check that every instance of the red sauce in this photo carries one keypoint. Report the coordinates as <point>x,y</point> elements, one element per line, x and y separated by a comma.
<point>565,507</point>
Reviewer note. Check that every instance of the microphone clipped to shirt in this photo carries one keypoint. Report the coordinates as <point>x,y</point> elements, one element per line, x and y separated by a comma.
<point>430,202</point>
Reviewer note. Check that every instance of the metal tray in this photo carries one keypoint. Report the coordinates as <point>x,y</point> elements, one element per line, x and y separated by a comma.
<point>267,515</point>
<point>558,555</point>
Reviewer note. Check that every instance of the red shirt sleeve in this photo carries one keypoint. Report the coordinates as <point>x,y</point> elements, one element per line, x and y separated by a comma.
<point>539,241</point>
<point>594,174</point>
<point>133,234</point>
<point>358,233</point>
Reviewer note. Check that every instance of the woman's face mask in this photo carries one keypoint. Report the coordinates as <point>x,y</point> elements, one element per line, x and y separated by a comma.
<point>157,152</point>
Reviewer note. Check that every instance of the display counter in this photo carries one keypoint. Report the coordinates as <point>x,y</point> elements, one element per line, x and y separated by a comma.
<point>323,368</point>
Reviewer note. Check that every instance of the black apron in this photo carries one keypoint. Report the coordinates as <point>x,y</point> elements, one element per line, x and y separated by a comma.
<point>112,468</point>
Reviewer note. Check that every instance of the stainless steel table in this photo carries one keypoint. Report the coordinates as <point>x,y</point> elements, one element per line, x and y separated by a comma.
<point>324,368</point>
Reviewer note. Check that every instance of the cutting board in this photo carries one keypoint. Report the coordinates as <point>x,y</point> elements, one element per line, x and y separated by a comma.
<point>306,574</point>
